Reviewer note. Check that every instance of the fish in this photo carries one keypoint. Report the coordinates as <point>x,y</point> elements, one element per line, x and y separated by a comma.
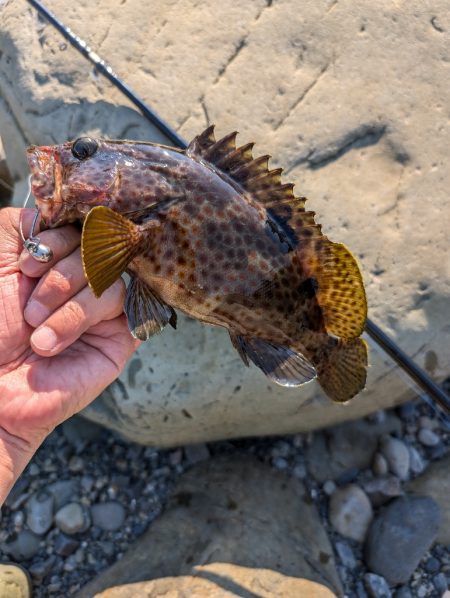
<point>215,233</point>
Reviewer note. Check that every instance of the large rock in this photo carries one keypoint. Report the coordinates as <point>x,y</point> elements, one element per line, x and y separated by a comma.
<point>435,483</point>
<point>349,97</point>
<point>221,580</point>
<point>226,513</point>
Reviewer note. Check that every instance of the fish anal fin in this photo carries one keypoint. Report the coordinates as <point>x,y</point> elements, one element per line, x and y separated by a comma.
<point>108,243</point>
<point>280,364</point>
<point>344,373</point>
<point>340,292</point>
<point>147,314</point>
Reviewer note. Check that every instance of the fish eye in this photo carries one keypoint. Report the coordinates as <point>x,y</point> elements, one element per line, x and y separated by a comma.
<point>84,147</point>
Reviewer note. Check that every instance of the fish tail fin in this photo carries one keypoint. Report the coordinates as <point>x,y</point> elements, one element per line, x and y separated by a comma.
<point>343,374</point>
<point>108,244</point>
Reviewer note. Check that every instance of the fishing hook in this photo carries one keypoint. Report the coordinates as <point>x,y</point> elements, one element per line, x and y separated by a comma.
<point>40,252</point>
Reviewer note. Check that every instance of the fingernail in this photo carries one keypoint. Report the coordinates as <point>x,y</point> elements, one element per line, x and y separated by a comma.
<point>44,339</point>
<point>35,313</point>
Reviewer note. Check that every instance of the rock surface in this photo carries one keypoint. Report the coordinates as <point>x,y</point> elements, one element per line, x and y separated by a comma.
<point>349,97</point>
<point>435,483</point>
<point>399,537</point>
<point>226,513</point>
<point>222,580</point>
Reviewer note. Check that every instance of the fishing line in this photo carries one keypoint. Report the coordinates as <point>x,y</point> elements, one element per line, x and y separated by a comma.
<point>414,372</point>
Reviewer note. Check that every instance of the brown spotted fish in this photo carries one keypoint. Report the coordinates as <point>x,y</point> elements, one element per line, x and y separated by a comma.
<point>213,232</point>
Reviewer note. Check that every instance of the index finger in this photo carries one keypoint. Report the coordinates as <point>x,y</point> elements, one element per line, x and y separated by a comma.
<point>62,241</point>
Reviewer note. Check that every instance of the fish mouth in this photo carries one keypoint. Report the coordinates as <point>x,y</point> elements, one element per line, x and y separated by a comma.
<point>46,180</point>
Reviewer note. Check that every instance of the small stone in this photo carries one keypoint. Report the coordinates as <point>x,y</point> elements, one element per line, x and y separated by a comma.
<point>87,483</point>
<point>345,555</point>
<point>299,471</point>
<point>34,470</point>
<point>175,457</point>
<point>380,465</point>
<point>108,516</point>
<point>17,491</point>
<point>440,582</point>
<point>22,546</point>
<point>376,586</point>
<point>195,453</point>
<point>63,491</point>
<point>76,464</point>
<point>329,487</point>
<point>403,592</point>
<point>407,411</point>
<point>280,463</point>
<point>432,565</point>
<point>64,545</point>
<point>428,422</point>
<point>422,591</point>
<point>351,512</point>
<point>399,537</point>
<point>428,437</point>
<point>18,519</point>
<point>396,454</point>
<point>107,547</point>
<point>416,463</point>
<point>380,490</point>
<point>40,512</point>
<point>72,519</point>
<point>281,449</point>
<point>40,569</point>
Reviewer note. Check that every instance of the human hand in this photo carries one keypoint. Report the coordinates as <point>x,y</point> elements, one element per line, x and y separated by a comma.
<point>59,345</point>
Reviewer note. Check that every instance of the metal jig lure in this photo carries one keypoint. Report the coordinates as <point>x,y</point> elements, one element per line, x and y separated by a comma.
<point>33,244</point>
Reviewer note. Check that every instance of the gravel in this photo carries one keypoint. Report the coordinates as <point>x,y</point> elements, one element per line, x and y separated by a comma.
<point>105,470</point>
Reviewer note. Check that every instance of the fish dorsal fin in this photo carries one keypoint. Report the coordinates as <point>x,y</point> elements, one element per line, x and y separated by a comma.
<point>253,175</point>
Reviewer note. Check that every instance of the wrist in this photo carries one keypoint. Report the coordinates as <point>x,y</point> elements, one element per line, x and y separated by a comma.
<point>15,453</point>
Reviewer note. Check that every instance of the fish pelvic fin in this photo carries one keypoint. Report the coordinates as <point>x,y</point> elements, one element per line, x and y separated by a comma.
<point>340,289</point>
<point>343,375</point>
<point>108,244</point>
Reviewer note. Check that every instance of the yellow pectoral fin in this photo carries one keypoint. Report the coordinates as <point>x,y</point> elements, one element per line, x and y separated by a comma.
<point>341,293</point>
<point>108,244</point>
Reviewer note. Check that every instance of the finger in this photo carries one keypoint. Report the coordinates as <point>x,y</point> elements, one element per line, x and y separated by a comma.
<point>55,288</point>
<point>81,312</point>
<point>62,241</point>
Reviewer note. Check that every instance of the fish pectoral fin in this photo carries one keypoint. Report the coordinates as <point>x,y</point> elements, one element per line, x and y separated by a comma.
<point>280,364</point>
<point>147,314</point>
<point>343,374</point>
<point>340,292</point>
<point>108,244</point>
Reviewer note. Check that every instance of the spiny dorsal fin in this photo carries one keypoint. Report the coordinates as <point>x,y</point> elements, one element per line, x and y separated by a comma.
<point>254,176</point>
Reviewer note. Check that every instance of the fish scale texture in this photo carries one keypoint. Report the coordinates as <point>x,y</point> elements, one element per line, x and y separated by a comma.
<point>348,97</point>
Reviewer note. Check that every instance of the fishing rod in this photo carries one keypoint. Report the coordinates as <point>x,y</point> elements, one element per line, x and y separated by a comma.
<point>419,376</point>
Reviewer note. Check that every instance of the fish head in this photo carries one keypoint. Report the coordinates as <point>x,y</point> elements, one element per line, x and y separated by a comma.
<point>67,180</point>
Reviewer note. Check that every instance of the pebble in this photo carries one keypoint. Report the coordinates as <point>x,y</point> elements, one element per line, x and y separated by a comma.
<point>76,464</point>
<point>351,512</point>
<point>329,487</point>
<point>22,546</point>
<point>18,519</point>
<point>396,454</point>
<point>427,437</point>
<point>300,471</point>
<point>440,582</point>
<point>416,462</point>
<point>403,592</point>
<point>34,470</point>
<point>380,465</point>
<point>345,554</point>
<point>382,489</point>
<point>407,411</point>
<point>195,453</point>
<point>17,491</point>
<point>64,545</point>
<point>87,483</point>
<point>108,516</point>
<point>376,586</point>
<point>40,569</point>
<point>399,537</point>
<point>63,491</point>
<point>72,519</point>
<point>40,512</point>
<point>432,565</point>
